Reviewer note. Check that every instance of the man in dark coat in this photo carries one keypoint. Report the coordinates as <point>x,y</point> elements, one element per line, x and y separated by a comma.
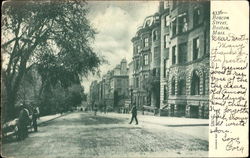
<point>134,115</point>
<point>23,122</point>
<point>34,118</point>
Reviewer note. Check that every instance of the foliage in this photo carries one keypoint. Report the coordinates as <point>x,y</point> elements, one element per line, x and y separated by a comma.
<point>151,83</point>
<point>54,35</point>
<point>59,99</point>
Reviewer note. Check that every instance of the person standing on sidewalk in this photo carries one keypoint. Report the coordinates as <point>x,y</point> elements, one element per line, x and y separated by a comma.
<point>95,109</point>
<point>23,122</point>
<point>134,115</point>
<point>34,118</point>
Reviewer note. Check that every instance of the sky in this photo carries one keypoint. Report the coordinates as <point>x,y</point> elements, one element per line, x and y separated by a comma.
<point>116,23</point>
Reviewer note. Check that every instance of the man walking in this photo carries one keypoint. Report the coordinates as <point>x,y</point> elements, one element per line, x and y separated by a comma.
<point>134,115</point>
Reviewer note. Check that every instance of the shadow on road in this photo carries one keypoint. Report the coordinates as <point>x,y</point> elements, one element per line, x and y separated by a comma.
<point>84,119</point>
<point>96,120</point>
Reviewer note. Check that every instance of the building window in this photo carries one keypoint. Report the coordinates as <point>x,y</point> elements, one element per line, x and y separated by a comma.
<point>154,72</point>
<point>174,4</point>
<point>145,42</point>
<point>182,26</point>
<point>196,48</point>
<point>119,82</point>
<point>166,20</point>
<point>145,76</point>
<point>147,23</point>
<point>145,60</point>
<point>156,17</point>
<point>182,87</point>
<point>164,67</point>
<point>165,41</point>
<point>182,56</point>
<point>195,84</point>
<point>165,92</point>
<point>167,52</point>
<point>174,23</point>
<point>173,55</point>
<point>156,52</point>
<point>155,35</point>
<point>196,17</point>
<point>166,4</point>
<point>137,82</point>
<point>138,48</point>
<point>173,87</point>
<point>137,64</point>
<point>167,24</point>
<point>119,91</point>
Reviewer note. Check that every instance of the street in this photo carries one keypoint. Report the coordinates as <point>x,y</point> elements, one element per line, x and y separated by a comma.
<point>82,134</point>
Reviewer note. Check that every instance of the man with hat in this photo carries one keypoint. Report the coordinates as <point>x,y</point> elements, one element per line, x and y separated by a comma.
<point>134,114</point>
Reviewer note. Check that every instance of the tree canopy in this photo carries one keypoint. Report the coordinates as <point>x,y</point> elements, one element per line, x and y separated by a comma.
<point>55,36</point>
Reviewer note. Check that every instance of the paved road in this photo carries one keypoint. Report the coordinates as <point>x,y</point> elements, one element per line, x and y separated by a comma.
<point>86,135</point>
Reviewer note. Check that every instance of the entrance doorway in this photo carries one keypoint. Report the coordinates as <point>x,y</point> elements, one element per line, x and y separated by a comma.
<point>194,111</point>
<point>182,110</point>
<point>172,110</point>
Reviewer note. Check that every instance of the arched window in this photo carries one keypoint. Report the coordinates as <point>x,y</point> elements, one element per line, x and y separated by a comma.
<point>195,84</point>
<point>182,87</point>
<point>173,86</point>
<point>155,35</point>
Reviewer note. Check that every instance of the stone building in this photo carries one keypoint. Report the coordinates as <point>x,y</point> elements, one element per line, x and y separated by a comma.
<point>170,65</point>
<point>93,94</point>
<point>146,59</point>
<point>113,89</point>
<point>119,84</point>
<point>184,58</point>
<point>131,80</point>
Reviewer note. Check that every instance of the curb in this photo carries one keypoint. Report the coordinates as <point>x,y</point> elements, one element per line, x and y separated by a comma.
<point>38,124</point>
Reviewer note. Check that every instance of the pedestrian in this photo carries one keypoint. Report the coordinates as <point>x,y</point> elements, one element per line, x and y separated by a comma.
<point>95,109</point>
<point>34,118</point>
<point>23,122</point>
<point>134,115</point>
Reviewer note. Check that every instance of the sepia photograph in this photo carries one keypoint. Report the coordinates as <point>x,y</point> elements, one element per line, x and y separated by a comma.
<point>105,78</point>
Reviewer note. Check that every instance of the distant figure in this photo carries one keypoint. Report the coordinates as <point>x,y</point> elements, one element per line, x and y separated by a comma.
<point>105,107</point>
<point>23,122</point>
<point>34,118</point>
<point>95,109</point>
<point>134,115</point>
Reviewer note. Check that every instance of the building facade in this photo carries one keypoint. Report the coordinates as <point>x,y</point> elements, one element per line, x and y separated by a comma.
<point>169,70</point>
<point>113,89</point>
<point>146,59</point>
<point>185,58</point>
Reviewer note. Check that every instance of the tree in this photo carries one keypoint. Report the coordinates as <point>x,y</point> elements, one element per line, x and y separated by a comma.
<point>55,35</point>
<point>151,85</point>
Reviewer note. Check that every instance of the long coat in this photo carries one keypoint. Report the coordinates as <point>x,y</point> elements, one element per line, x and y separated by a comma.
<point>134,111</point>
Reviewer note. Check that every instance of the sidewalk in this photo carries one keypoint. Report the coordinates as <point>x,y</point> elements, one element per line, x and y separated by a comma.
<point>164,120</point>
<point>194,127</point>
